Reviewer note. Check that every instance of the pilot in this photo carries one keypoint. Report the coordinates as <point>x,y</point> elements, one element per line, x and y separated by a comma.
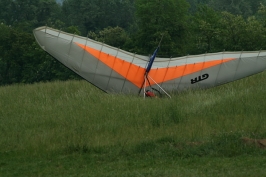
<point>149,93</point>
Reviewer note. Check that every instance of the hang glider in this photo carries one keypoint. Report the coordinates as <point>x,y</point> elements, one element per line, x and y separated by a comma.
<point>117,71</point>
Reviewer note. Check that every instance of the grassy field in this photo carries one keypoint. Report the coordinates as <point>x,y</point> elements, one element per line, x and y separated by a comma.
<point>73,129</point>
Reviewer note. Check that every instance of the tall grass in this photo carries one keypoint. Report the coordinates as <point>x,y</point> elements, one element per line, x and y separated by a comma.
<point>73,114</point>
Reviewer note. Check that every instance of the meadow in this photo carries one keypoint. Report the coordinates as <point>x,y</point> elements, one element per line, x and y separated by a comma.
<point>73,129</point>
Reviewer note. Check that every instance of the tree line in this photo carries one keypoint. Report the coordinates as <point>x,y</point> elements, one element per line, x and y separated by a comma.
<point>187,26</point>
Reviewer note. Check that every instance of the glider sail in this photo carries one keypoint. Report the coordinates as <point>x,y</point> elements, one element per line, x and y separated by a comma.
<point>117,71</point>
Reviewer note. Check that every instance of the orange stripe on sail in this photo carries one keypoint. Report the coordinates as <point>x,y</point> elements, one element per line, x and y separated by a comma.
<point>135,74</point>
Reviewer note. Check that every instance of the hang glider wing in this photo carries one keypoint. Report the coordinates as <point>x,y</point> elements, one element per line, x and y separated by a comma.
<point>115,70</point>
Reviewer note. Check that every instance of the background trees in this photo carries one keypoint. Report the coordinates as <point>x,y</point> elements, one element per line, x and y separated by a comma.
<point>188,27</point>
<point>114,36</point>
<point>29,14</point>
<point>93,15</point>
<point>23,61</point>
<point>162,17</point>
<point>205,30</point>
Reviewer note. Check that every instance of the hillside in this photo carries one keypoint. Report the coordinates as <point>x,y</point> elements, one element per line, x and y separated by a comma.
<point>73,129</point>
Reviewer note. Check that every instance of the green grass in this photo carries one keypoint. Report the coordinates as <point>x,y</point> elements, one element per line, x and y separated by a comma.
<point>73,129</point>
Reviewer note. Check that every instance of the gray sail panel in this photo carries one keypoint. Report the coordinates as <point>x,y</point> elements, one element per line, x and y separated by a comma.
<point>245,67</point>
<point>227,72</point>
<point>76,55</point>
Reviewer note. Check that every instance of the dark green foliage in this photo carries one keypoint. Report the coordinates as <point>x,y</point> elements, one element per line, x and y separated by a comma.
<point>29,14</point>
<point>23,61</point>
<point>95,15</point>
<point>114,36</point>
<point>244,8</point>
<point>167,18</point>
<point>206,30</point>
